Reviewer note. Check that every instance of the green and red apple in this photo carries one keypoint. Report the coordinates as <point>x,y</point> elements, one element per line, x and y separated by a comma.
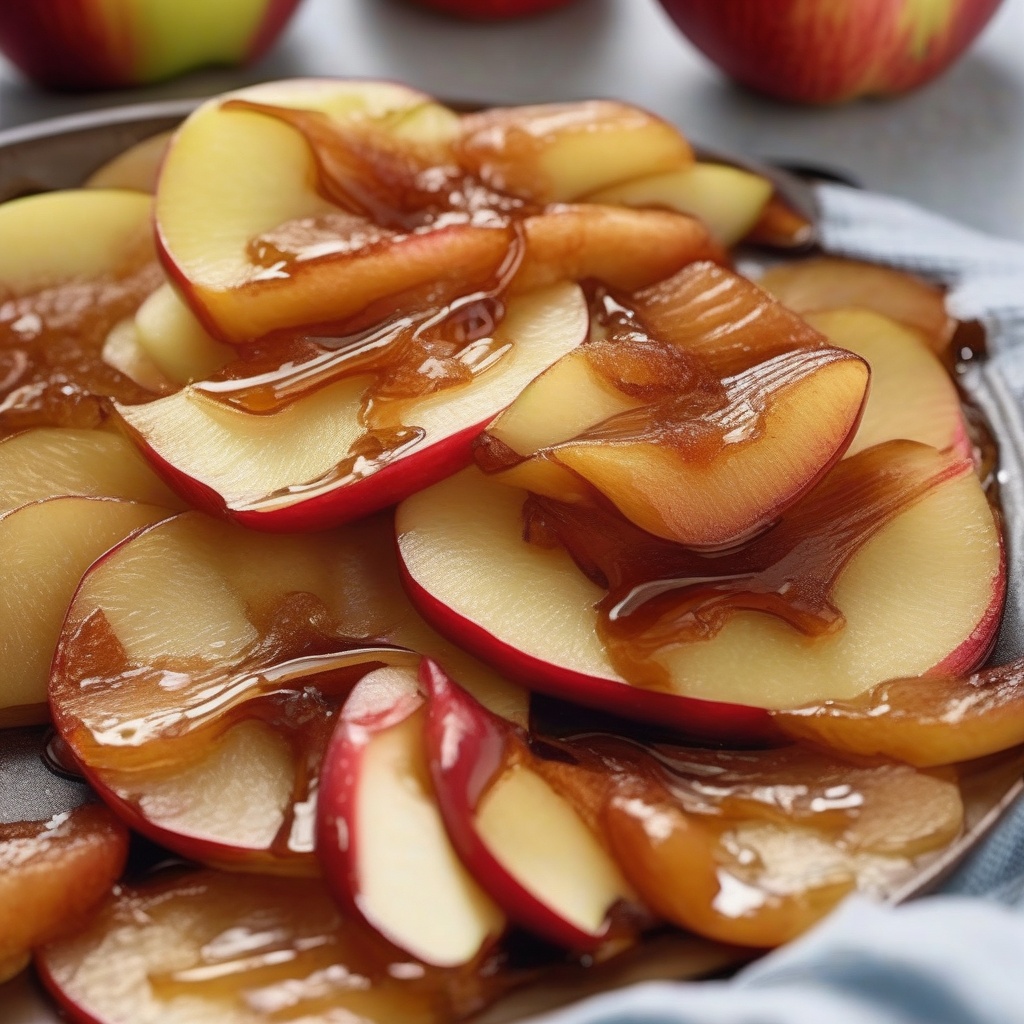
<point>824,51</point>
<point>104,44</point>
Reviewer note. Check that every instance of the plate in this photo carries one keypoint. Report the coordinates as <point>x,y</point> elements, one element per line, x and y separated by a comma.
<point>61,153</point>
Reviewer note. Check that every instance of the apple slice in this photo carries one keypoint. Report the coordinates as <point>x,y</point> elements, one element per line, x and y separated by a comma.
<point>752,846</point>
<point>560,152</point>
<point>176,341</point>
<point>727,199</point>
<point>912,394</point>
<point>381,839</point>
<point>135,168</point>
<point>935,720</point>
<point>72,265</point>
<point>123,353</point>
<point>525,844</point>
<point>251,174</point>
<point>942,604</point>
<point>709,478</point>
<point>709,311</point>
<point>827,282</point>
<point>216,659</point>
<point>312,463</point>
<point>208,948</point>
<point>49,545</point>
<point>52,874</point>
<point>49,462</point>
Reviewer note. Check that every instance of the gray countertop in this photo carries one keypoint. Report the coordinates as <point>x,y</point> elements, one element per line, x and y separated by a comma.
<point>956,146</point>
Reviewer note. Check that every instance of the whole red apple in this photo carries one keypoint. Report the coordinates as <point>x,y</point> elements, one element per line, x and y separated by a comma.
<point>491,10</point>
<point>824,51</point>
<point>106,44</point>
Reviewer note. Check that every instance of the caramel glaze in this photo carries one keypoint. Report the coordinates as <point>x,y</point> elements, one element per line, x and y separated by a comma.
<point>51,340</point>
<point>661,594</point>
<point>120,717</point>
<point>419,342</point>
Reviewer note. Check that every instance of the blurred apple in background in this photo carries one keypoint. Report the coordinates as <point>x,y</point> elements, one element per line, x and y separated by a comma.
<point>829,51</point>
<point>105,44</point>
<point>490,10</point>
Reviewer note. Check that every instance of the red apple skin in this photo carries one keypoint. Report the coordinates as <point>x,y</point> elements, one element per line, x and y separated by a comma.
<point>491,10</point>
<point>89,44</point>
<point>468,747</point>
<point>341,505</point>
<point>817,51</point>
<point>336,803</point>
<point>701,719</point>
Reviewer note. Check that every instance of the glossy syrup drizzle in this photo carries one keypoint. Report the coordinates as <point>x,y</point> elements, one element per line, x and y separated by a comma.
<point>661,594</point>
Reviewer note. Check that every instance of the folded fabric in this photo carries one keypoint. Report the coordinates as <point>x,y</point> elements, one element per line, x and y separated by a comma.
<point>957,957</point>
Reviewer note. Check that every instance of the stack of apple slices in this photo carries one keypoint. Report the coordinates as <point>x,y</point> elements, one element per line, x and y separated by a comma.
<point>397,417</point>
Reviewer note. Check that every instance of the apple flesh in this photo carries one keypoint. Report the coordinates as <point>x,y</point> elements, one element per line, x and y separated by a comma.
<point>52,874</point>
<point>812,53</point>
<point>381,839</point>
<point>729,200</point>
<point>525,844</point>
<point>176,342</point>
<point>209,947</point>
<point>87,45</point>
<point>551,642</point>
<point>829,283</point>
<point>49,462</point>
<point>912,394</point>
<point>49,546</point>
<point>279,471</point>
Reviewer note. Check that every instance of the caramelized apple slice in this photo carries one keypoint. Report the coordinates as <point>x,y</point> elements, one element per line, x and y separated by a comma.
<point>52,874</point>
<point>380,836</point>
<point>912,394</point>
<point>713,477</point>
<point>525,844</point>
<point>216,659</point>
<point>206,948</point>
<point>725,319</point>
<point>281,254</point>
<point>932,576</point>
<point>313,463</point>
<point>623,248</point>
<point>72,265</point>
<point>930,720</point>
<point>828,282</point>
<point>559,152</point>
<point>49,545</point>
<point>751,847</point>
<point>727,199</point>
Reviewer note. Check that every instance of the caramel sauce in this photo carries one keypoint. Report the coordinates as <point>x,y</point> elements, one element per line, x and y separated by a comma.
<point>661,594</point>
<point>275,949</point>
<point>51,368</point>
